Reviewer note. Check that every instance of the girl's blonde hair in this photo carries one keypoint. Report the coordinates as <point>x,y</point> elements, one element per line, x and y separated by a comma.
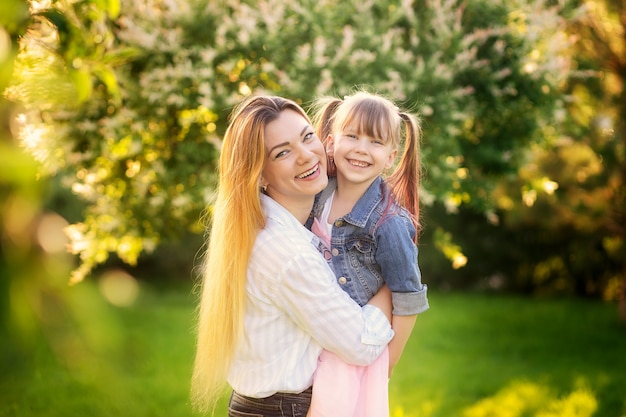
<point>237,218</point>
<point>376,116</point>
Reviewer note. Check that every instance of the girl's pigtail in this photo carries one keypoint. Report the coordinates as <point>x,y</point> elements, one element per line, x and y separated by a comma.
<point>323,118</point>
<point>405,180</point>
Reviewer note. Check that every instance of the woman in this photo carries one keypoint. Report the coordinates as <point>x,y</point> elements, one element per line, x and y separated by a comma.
<point>270,302</point>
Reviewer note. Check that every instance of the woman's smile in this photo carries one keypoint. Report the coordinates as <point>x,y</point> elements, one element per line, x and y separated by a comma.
<point>310,172</point>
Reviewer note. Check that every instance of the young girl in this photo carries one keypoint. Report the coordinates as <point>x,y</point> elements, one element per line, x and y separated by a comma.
<point>368,227</point>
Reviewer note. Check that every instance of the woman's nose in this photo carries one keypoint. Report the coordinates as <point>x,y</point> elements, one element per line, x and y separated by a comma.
<point>305,153</point>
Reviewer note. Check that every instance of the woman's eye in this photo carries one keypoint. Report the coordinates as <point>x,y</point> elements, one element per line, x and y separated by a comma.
<point>309,136</point>
<point>281,154</point>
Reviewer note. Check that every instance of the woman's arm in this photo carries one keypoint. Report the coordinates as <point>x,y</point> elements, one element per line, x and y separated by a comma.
<point>307,292</point>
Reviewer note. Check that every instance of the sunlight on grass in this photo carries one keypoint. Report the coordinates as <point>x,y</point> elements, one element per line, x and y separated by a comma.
<point>531,399</point>
<point>512,401</point>
<point>426,409</point>
<point>521,399</point>
<point>579,403</point>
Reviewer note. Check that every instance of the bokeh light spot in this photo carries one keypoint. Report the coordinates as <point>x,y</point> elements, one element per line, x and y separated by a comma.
<point>119,288</point>
<point>50,234</point>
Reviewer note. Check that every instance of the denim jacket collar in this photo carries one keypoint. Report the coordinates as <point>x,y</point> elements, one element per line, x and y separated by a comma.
<point>362,210</point>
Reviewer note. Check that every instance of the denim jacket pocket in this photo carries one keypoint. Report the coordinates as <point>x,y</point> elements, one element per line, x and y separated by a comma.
<point>360,250</point>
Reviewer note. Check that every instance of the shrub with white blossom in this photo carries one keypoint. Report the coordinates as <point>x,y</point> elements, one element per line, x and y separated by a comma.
<point>127,100</point>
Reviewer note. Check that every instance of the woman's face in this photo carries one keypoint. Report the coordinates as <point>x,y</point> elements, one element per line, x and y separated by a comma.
<point>295,167</point>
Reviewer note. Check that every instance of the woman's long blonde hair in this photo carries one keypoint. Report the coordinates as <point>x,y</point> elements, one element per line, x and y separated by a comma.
<point>236,220</point>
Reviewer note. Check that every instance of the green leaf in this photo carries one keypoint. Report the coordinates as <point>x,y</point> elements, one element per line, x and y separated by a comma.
<point>14,16</point>
<point>82,81</point>
<point>121,56</point>
<point>113,8</point>
<point>107,76</point>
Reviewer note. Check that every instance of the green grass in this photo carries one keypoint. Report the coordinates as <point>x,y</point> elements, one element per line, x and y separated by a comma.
<point>474,355</point>
<point>470,356</point>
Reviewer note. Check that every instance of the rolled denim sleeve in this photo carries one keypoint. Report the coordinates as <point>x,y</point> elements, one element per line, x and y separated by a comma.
<point>410,303</point>
<point>397,256</point>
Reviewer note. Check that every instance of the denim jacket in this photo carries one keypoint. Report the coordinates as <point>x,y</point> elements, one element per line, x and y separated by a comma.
<point>373,245</point>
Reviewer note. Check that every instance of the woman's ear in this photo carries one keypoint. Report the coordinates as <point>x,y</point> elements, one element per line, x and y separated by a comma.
<point>262,184</point>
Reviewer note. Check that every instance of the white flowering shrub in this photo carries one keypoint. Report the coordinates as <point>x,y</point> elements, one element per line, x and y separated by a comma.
<point>137,94</point>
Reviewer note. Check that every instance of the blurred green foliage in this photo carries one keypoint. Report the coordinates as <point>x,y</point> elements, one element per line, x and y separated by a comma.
<point>33,259</point>
<point>124,104</point>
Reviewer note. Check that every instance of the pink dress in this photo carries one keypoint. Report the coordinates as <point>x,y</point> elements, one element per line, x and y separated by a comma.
<point>343,390</point>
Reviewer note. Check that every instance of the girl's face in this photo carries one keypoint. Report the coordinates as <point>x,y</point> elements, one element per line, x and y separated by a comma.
<point>295,167</point>
<point>358,157</point>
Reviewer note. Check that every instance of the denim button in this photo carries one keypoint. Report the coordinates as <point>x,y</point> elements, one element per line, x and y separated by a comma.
<point>335,252</point>
<point>342,280</point>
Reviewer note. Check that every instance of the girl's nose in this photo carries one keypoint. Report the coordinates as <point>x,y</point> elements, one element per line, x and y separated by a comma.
<point>361,144</point>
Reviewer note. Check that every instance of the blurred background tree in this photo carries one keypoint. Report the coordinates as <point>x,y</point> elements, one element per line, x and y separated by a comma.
<point>34,262</point>
<point>568,235</point>
<point>603,111</point>
<point>124,104</point>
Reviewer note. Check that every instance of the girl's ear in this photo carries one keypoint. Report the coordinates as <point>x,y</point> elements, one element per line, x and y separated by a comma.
<point>330,145</point>
<point>392,158</point>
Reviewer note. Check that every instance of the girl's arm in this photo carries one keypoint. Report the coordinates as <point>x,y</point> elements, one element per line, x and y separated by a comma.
<point>382,300</point>
<point>397,257</point>
<point>402,327</point>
